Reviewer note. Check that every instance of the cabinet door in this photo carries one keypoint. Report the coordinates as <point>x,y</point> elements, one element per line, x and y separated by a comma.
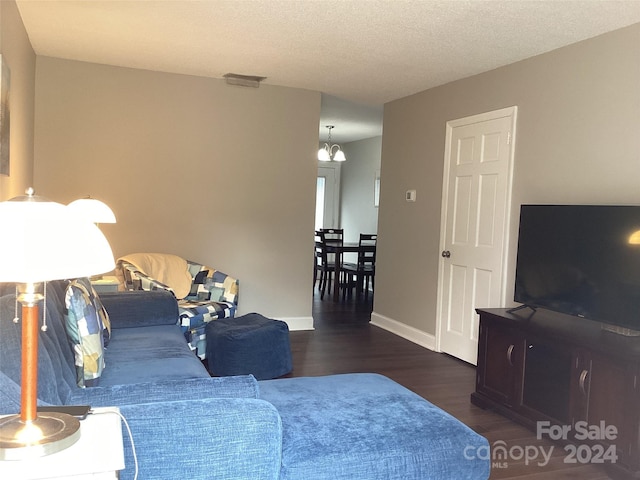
<point>500,360</point>
<point>604,404</point>
<point>546,381</point>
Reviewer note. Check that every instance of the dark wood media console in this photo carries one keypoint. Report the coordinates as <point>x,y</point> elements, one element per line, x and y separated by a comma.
<point>568,373</point>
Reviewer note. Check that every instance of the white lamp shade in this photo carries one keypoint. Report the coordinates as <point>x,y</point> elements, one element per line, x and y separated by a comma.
<point>339,156</point>
<point>43,240</point>
<point>323,155</point>
<point>92,210</point>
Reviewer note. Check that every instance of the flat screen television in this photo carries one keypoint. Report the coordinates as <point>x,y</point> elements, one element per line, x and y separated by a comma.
<point>581,260</point>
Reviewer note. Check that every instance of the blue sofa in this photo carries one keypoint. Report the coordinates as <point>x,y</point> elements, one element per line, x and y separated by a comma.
<point>186,424</point>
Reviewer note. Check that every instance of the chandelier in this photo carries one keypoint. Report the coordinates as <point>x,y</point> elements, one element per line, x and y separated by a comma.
<point>331,152</point>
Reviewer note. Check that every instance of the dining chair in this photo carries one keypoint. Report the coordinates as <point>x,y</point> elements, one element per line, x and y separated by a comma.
<point>324,261</point>
<point>332,235</point>
<point>362,274</point>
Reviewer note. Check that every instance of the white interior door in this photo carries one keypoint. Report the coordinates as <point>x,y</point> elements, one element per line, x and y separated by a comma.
<point>475,214</point>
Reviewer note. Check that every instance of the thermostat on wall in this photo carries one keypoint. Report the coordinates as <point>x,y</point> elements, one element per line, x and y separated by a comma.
<point>410,196</point>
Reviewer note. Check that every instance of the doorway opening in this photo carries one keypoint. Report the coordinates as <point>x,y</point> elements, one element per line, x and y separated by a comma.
<point>327,198</point>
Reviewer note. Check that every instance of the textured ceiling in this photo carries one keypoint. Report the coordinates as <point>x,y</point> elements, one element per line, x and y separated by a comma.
<point>361,53</point>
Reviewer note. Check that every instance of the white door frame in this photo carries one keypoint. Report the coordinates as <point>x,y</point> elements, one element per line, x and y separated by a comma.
<point>333,216</point>
<point>509,111</point>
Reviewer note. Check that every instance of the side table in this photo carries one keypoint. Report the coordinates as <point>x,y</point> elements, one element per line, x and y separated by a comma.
<point>107,283</point>
<point>98,454</point>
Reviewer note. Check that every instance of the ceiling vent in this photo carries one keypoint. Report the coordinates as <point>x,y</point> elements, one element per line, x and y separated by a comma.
<point>243,80</point>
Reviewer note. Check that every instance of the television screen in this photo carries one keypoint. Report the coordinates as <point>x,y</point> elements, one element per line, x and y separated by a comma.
<point>582,260</point>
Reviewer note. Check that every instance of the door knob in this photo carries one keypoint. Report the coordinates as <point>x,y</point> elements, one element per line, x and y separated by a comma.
<point>446,254</point>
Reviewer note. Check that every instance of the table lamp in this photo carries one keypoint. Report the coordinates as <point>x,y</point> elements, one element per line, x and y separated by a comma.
<point>93,210</point>
<point>41,241</point>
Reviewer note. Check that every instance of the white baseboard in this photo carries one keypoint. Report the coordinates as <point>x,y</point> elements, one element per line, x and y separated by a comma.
<point>298,323</point>
<point>412,334</point>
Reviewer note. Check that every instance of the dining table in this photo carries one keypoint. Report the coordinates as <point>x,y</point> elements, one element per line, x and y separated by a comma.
<point>339,250</point>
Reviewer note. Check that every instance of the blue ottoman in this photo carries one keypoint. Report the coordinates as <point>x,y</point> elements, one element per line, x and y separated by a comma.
<point>248,344</point>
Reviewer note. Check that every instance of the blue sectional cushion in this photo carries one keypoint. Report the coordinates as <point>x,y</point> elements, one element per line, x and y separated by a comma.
<point>235,439</point>
<point>104,316</point>
<point>367,426</point>
<point>88,327</point>
<point>141,308</point>
<point>168,391</point>
<point>133,358</point>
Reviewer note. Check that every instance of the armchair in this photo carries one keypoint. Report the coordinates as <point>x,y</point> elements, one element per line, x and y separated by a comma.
<point>203,293</point>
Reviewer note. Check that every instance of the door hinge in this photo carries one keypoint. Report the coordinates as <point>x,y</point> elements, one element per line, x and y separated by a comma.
<point>508,138</point>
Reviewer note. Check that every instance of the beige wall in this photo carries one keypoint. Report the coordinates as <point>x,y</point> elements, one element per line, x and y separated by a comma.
<point>17,53</point>
<point>220,174</point>
<point>578,141</point>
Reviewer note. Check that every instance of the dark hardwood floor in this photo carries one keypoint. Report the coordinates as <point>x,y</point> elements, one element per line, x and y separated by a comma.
<point>344,341</point>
